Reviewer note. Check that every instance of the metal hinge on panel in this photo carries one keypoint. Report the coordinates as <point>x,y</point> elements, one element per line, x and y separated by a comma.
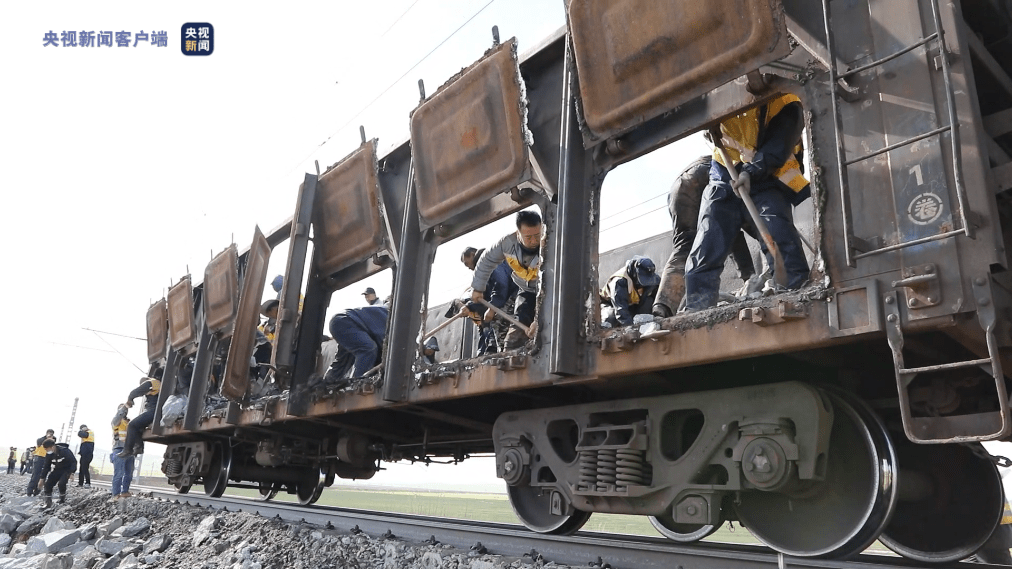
<point>922,285</point>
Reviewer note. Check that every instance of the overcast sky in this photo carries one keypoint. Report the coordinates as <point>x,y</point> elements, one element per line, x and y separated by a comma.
<point>126,167</point>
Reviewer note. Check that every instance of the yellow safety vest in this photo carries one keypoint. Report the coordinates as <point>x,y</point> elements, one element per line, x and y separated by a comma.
<point>1006,516</point>
<point>120,430</point>
<point>156,386</point>
<point>740,134</point>
<point>40,451</point>
<point>90,438</point>
<point>609,287</point>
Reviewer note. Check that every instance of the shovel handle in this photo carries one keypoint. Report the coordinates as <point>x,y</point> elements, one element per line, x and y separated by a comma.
<point>507,316</point>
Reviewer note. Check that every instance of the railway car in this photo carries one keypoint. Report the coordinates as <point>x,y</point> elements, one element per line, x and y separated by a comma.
<point>823,418</point>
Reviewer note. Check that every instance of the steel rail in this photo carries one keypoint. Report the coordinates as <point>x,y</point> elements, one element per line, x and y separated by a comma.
<point>581,549</point>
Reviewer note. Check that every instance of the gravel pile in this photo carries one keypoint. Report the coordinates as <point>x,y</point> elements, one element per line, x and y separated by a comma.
<point>93,531</point>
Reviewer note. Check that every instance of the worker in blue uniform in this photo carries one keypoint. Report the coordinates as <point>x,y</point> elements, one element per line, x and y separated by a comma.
<point>684,199</point>
<point>148,388</point>
<point>498,290</point>
<point>60,459</point>
<point>359,332</point>
<point>761,143</point>
<point>629,292</point>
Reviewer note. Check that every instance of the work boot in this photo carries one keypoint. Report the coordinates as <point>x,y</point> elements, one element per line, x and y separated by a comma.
<point>87,484</point>
<point>48,500</point>
<point>669,294</point>
<point>63,498</point>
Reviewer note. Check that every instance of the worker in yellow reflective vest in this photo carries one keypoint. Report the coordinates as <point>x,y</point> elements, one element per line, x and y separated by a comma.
<point>149,388</point>
<point>761,143</point>
<point>629,292</point>
<point>87,452</point>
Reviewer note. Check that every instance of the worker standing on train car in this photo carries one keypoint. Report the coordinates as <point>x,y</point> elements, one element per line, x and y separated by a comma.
<point>149,388</point>
<point>359,332</point>
<point>39,463</point>
<point>761,142</point>
<point>522,252</point>
<point>370,296</point>
<point>498,290</point>
<point>629,292</point>
<point>429,350</point>
<point>684,199</point>
<point>61,459</point>
<point>87,452</point>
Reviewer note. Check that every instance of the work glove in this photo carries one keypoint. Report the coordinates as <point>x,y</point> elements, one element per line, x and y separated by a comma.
<point>743,184</point>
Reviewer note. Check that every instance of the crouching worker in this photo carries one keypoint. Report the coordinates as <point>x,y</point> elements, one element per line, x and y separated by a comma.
<point>149,388</point>
<point>630,291</point>
<point>359,333</point>
<point>61,459</point>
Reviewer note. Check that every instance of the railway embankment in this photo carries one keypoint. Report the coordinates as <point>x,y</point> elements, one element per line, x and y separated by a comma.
<point>94,531</point>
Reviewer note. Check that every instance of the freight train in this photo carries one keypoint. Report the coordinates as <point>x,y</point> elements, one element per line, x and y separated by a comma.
<point>821,419</point>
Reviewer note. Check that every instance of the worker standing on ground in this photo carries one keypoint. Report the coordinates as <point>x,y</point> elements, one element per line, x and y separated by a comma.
<point>61,459</point>
<point>12,460</point>
<point>761,143</point>
<point>87,452</point>
<point>122,468</point>
<point>39,469</point>
<point>522,252</point>
<point>26,458</point>
<point>149,388</point>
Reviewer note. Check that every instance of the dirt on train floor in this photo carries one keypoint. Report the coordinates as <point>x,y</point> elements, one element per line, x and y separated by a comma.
<point>92,530</point>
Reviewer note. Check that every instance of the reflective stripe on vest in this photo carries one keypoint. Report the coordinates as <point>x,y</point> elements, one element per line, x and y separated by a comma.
<point>1006,516</point>
<point>740,133</point>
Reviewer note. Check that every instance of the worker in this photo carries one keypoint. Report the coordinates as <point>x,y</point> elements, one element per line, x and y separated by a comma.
<point>87,452</point>
<point>26,459</point>
<point>684,200</point>
<point>499,289</point>
<point>762,143</point>
<point>522,252</point>
<point>359,333</point>
<point>39,464</point>
<point>277,284</point>
<point>149,388</point>
<point>61,459</point>
<point>370,296</point>
<point>429,350</point>
<point>12,460</point>
<point>122,468</point>
<point>629,292</point>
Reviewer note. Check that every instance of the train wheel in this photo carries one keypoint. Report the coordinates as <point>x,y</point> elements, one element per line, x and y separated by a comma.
<point>268,490</point>
<point>683,533</point>
<point>534,510</point>
<point>183,488</point>
<point>950,502</point>
<point>844,513</point>
<point>216,480</point>
<point>310,489</point>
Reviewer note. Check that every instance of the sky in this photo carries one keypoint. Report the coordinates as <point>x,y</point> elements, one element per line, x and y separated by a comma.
<point>126,168</point>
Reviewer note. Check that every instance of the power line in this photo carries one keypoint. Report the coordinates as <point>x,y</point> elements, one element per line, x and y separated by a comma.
<point>391,86</point>
<point>120,353</point>
<point>633,206</point>
<point>115,334</point>
<point>633,218</point>
<point>399,18</point>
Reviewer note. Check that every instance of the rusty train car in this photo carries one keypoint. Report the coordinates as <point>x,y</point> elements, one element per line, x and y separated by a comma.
<point>821,419</point>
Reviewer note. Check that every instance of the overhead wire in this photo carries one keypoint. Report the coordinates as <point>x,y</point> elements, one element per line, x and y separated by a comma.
<point>398,19</point>
<point>391,86</point>
<point>119,352</point>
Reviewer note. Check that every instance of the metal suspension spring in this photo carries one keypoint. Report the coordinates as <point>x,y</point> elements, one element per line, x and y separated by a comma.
<point>588,469</point>
<point>631,469</point>
<point>606,469</point>
<point>173,467</point>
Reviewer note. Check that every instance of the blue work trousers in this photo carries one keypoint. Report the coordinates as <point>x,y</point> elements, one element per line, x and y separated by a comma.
<point>38,473</point>
<point>721,217</point>
<point>351,337</point>
<point>122,472</point>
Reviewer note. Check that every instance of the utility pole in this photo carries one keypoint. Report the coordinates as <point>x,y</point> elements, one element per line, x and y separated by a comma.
<point>73,413</point>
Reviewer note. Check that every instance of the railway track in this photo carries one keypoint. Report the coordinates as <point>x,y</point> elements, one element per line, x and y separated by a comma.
<point>582,549</point>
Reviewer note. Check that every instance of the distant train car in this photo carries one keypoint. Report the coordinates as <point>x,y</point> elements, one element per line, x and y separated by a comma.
<point>821,419</point>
